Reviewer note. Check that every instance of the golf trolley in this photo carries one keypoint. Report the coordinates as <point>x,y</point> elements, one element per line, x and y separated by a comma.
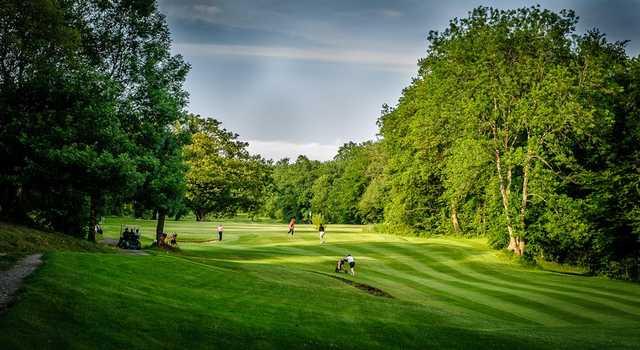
<point>129,237</point>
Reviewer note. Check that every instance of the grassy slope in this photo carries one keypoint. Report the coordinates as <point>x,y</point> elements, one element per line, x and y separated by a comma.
<point>17,241</point>
<point>256,290</point>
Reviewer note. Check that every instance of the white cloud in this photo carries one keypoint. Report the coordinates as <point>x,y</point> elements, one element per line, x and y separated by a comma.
<point>206,10</point>
<point>279,149</point>
<point>406,62</point>
<point>200,12</point>
<point>391,13</point>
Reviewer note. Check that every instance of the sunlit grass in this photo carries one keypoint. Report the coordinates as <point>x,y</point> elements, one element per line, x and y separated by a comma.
<point>260,288</point>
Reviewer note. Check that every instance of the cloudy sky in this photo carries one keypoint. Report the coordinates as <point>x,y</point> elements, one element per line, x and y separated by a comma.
<point>303,77</point>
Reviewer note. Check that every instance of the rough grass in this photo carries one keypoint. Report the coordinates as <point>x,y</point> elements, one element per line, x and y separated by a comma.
<point>17,241</point>
<point>257,289</point>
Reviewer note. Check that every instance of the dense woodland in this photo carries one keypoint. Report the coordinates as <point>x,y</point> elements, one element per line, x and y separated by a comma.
<point>515,127</point>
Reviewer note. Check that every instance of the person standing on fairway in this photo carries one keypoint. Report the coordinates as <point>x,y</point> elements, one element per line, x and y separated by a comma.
<point>352,264</point>
<point>292,226</point>
<point>321,230</point>
<point>220,230</point>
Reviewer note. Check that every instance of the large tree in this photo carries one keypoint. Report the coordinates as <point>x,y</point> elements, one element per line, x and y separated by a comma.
<point>89,92</point>
<point>222,177</point>
<point>511,128</point>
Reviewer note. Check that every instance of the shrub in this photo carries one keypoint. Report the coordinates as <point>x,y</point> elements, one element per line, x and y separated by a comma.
<point>317,220</point>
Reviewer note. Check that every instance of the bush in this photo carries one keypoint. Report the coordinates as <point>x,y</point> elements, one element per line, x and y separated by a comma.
<point>498,239</point>
<point>625,269</point>
<point>317,220</point>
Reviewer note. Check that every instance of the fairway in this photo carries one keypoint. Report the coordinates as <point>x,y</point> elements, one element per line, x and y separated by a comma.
<point>260,289</point>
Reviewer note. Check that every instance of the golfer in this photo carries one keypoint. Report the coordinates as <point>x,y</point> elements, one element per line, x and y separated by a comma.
<point>352,264</point>
<point>321,229</point>
<point>220,230</point>
<point>292,226</point>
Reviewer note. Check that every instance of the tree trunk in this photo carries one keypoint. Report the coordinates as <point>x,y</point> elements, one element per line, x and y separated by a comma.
<point>160,226</point>
<point>200,214</point>
<point>454,219</point>
<point>517,245</point>
<point>525,183</point>
<point>504,192</point>
<point>93,202</point>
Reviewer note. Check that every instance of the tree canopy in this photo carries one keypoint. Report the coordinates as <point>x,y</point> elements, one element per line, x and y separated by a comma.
<point>223,177</point>
<point>89,92</point>
<point>510,129</point>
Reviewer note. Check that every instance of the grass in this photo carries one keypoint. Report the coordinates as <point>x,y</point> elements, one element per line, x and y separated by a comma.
<point>260,289</point>
<point>17,241</point>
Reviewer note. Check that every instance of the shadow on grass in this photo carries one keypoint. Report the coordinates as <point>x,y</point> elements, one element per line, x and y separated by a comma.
<point>363,287</point>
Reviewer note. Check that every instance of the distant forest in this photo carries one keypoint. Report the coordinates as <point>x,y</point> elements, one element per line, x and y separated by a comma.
<point>515,128</point>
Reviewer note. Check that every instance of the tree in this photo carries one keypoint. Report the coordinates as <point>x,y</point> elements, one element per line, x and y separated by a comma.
<point>292,189</point>
<point>222,177</point>
<point>372,202</point>
<point>511,129</point>
<point>89,91</point>
<point>350,182</point>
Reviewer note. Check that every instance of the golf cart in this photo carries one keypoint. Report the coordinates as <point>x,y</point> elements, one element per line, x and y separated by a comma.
<point>130,237</point>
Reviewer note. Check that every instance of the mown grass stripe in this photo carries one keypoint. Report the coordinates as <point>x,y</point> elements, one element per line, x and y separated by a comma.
<point>526,305</point>
<point>560,283</point>
<point>595,309</point>
<point>508,273</point>
<point>461,297</point>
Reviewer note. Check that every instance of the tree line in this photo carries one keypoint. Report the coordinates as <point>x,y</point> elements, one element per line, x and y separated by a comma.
<point>347,189</point>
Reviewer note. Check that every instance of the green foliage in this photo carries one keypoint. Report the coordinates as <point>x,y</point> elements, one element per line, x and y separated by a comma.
<point>292,188</point>
<point>317,220</point>
<point>222,177</point>
<point>518,129</point>
<point>89,92</point>
<point>336,189</point>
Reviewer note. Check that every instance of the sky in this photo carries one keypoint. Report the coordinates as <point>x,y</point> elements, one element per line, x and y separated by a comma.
<point>303,77</point>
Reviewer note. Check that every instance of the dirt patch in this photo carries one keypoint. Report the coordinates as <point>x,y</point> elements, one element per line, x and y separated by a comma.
<point>109,241</point>
<point>362,286</point>
<point>11,280</point>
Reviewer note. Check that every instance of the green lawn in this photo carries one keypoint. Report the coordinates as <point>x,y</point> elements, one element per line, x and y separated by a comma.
<point>259,289</point>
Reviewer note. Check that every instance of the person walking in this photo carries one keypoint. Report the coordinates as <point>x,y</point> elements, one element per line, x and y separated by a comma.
<point>321,231</point>
<point>220,230</point>
<point>352,264</point>
<point>292,227</point>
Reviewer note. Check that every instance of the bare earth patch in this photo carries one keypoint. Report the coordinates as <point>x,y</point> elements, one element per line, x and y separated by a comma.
<point>365,287</point>
<point>11,280</point>
<point>362,286</point>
